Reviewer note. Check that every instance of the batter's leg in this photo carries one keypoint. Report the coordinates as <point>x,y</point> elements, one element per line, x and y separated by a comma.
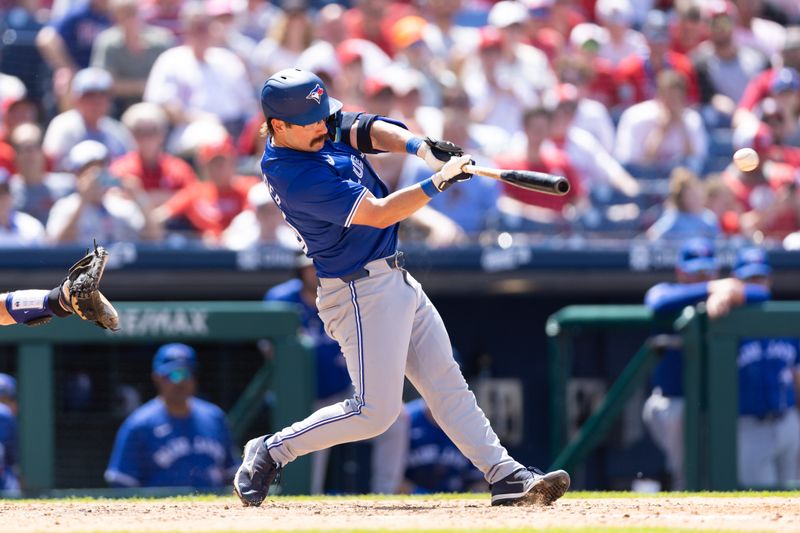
<point>435,374</point>
<point>371,319</point>
<point>389,455</point>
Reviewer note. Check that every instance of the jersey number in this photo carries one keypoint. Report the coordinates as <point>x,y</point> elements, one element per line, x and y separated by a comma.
<point>277,200</point>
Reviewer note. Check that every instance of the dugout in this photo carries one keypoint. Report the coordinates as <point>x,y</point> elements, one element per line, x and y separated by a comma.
<point>495,303</point>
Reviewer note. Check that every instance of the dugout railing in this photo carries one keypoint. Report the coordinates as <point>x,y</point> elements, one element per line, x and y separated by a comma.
<point>710,379</point>
<point>289,373</point>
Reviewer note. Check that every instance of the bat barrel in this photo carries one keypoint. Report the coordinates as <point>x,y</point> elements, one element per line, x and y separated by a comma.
<point>537,181</point>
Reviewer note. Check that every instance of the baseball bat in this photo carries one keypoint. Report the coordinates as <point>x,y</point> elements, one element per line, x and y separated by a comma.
<point>526,179</point>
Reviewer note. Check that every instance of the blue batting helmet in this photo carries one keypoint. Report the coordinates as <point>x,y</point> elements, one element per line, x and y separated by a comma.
<point>298,97</point>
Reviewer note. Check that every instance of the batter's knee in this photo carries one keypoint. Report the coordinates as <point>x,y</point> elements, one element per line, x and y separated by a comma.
<point>379,417</point>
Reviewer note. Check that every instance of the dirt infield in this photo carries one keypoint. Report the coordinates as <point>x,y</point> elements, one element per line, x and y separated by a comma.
<point>348,514</point>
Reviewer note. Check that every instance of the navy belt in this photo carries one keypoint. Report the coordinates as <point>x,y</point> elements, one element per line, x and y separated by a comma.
<point>397,260</point>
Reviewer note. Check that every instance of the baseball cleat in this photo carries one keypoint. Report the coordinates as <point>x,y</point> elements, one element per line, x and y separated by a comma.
<point>258,471</point>
<point>530,486</point>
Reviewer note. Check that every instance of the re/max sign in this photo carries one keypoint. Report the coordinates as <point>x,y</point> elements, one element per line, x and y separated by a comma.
<point>138,322</point>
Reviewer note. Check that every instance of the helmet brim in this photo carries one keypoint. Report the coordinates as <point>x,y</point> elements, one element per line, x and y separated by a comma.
<point>322,113</point>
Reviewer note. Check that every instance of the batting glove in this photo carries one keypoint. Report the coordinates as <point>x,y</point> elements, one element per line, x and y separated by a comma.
<point>451,172</point>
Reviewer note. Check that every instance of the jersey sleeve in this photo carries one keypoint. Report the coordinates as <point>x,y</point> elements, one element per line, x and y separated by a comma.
<point>326,196</point>
<point>124,467</point>
<point>668,297</point>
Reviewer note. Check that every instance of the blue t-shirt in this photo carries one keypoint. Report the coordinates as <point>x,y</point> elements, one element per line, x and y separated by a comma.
<point>679,225</point>
<point>154,449</point>
<point>318,193</point>
<point>669,298</point>
<point>766,375</point>
<point>8,449</point>
<point>332,375</point>
<point>434,463</point>
<point>79,28</point>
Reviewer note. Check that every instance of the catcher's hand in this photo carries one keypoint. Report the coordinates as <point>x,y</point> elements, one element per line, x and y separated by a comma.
<point>81,295</point>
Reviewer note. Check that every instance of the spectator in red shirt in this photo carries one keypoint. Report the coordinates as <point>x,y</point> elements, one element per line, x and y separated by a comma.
<point>637,75</point>
<point>211,204</point>
<point>543,156</point>
<point>761,86</point>
<point>161,174</point>
<point>689,29</point>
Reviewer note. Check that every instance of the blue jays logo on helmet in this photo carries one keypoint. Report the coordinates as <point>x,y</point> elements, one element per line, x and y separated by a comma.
<point>297,97</point>
<point>316,94</point>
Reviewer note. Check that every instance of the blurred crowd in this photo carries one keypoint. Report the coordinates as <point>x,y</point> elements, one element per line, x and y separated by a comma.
<point>138,120</point>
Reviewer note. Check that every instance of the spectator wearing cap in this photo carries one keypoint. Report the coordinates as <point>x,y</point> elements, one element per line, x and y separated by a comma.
<point>289,36</point>
<point>260,223</point>
<point>768,440</point>
<point>520,65</point>
<point>89,120</point>
<point>583,67</point>
<point>688,28</point>
<point>160,173</point>
<point>539,31</point>
<point>9,470</point>
<point>760,87</point>
<point>413,54</point>
<point>104,207</point>
<point>781,111</point>
<point>199,81</point>
<point>446,39</point>
<point>598,170</point>
<point>210,204</point>
<point>334,385</point>
<point>656,135</point>
<point>224,30</point>
<point>496,99</point>
<point>638,74</point>
<point>724,68</point>
<point>621,40</point>
<point>35,189</point>
<point>542,155</point>
<point>696,273</point>
<point>128,50</point>
<point>17,229</point>
<point>175,439</point>
<point>685,214</point>
<point>66,44</point>
<point>358,59</point>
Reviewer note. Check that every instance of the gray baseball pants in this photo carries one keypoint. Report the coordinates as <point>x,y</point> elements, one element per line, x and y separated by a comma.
<point>387,329</point>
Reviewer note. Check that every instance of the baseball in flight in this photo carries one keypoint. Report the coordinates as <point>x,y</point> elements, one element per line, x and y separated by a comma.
<point>745,159</point>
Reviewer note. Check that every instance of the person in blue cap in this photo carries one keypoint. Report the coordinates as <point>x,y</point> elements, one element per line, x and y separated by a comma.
<point>696,273</point>
<point>9,477</point>
<point>769,380</point>
<point>175,439</point>
<point>316,171</point>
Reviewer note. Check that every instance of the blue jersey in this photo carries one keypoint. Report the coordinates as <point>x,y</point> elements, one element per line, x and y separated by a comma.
<point>79,28</point>
<point>8,449</point>
<point>766,375</point>
<point>434,463</point>
<point>671,298</point>
<point>332,375</point>
<point>154,449</point>
<point>318,193</point>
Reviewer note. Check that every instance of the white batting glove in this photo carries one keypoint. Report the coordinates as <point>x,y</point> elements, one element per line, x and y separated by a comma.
<point>451,172</point>
<point>425,153</point>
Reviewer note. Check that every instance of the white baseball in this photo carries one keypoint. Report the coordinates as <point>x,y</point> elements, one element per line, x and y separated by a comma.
<point>745,159</point>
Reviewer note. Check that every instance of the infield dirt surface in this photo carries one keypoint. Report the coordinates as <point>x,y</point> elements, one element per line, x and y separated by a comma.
<point>415,513</point>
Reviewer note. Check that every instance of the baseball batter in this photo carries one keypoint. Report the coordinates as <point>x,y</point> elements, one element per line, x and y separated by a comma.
<point>345,220</point>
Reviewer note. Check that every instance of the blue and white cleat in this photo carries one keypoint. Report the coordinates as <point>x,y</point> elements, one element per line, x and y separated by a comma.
<point>530,486</point>
<point>257,473</point>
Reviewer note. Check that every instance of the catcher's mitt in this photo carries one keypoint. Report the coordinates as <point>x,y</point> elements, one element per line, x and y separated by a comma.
<point>81,295</point>
<point>443,151</point>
